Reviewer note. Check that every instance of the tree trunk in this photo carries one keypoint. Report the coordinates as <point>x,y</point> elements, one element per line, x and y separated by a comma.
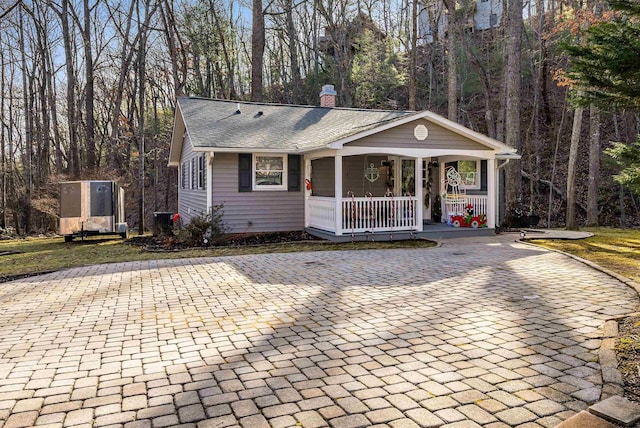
<point>230,93</point>
<point>27,96</point>
<point>293,54</point>
<point>257,51</point>
<point>74,156</point>
<point>127,52</point>
<point>413,56</point>
<point>594,166</point>
<point>3,153</point>
<point>572,222</point>
<point>178,65</point>
<point>90,133</point>
<point>51,91</point>
<point>141,105</point>
<point>452,76</point>
<point>513,179</point>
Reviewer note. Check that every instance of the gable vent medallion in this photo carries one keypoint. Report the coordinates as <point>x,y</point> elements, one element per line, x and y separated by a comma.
<point>421,132</point>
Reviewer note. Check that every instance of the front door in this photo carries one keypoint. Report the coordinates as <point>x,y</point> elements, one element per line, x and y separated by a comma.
<point>408,182</point>
<point>430,186</point>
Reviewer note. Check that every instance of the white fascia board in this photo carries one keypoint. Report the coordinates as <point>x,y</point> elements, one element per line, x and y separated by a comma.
<point>243,150</point>
<point>466,132</point>
<point>502,156</point>
<point>320,154</point>
<point>175,149</point>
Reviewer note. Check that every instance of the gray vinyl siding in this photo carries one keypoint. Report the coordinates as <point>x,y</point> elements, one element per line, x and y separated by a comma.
<point>402,137</point>
<point>191,202</point>
<point>256,211</point>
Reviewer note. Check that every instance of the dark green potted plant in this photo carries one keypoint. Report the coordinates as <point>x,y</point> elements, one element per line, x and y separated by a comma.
<point>533,219</point>
<point>436,209</point>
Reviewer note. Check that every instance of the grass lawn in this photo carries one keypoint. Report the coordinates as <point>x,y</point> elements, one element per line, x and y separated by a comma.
<point>30,255</point>
<point>614,249</point>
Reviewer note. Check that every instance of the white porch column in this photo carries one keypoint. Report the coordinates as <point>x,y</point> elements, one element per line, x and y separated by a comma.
<point>492,196</point>
<point>417,179</point>
<point>209,187</point>
<point>338,192</point>
<point>307,193</point>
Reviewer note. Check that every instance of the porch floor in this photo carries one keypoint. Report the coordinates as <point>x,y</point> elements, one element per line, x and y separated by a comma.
<point>430,231</point>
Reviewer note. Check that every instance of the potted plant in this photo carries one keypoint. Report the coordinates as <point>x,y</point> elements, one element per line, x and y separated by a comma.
<point>436,210</point>
<point>533,219</point>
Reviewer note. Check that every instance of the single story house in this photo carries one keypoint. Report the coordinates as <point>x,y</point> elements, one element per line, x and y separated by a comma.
<point>332,171</point>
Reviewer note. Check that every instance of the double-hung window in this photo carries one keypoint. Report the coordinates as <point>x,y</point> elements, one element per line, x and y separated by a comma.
<point>194,174</point>
<point>269,172</point>
<point>470,172</point>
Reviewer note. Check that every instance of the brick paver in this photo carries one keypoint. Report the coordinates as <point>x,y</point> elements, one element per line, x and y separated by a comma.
<point>478,332</point>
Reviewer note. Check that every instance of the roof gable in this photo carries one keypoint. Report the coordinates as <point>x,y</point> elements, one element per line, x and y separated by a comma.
<point>403,136</point>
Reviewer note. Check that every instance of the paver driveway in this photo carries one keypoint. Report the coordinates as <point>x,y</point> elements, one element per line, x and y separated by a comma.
<point>479,332</point>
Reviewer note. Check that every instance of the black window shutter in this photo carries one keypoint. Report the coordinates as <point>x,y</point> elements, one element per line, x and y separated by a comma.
<point>294,173</point>
<point>483,175</point>
<point>244,172</point>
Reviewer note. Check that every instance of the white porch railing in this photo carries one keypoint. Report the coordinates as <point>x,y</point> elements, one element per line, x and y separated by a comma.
<point>322,213</point>
<point>458,206</point>
<point>378,214</point>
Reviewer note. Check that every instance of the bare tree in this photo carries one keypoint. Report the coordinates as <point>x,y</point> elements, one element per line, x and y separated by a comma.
<point>452,60</point>
<point>572,222</point>
<point>413,56</point>
<point>70,73</point>
<point>513,85</point>
<point>257,50</point>
<point>594,166</point>
<point>143,31</point>
<point>3,151</point>
<point>90,132</point>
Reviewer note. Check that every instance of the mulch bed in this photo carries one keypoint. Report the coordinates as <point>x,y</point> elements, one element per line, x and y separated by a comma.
<point>628,350</point>
<point>164,243</point>
<point>7,278</point>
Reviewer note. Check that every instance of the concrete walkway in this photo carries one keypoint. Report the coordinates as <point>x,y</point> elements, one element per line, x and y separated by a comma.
<point>478,332</point>
<point>556,234</point>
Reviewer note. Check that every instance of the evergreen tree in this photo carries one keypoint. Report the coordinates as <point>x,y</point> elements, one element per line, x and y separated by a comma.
<point>607,70</point>
<point>628,159</point>
<point>374,73</point>
<point>607,66</point>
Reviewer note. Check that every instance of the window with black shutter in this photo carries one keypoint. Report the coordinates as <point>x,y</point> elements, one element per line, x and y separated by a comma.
<point>244,172</point>
<point>294,174</point>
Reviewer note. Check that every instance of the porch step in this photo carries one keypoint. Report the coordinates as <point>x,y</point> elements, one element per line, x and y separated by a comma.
<point>433,231</point>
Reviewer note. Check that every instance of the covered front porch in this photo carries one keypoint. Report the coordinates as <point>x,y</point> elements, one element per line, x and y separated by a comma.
<point>397,194</point>
<point>429,231</point>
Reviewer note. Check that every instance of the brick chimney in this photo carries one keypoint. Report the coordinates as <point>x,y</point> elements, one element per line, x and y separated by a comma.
<point>328,96</point>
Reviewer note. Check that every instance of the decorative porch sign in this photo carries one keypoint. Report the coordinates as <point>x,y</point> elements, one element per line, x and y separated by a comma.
<point>372,173</point>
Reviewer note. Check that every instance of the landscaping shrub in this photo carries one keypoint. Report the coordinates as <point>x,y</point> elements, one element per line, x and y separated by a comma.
<point>204,230</point>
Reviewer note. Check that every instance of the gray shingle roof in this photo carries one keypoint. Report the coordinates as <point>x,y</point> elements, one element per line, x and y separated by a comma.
<point>215,124</point>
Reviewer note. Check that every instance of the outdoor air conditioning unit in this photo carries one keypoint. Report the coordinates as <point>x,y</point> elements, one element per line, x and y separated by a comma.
<point>91,208</point>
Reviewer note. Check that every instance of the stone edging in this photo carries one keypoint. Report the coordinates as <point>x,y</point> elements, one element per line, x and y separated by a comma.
<point>613,382</point>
